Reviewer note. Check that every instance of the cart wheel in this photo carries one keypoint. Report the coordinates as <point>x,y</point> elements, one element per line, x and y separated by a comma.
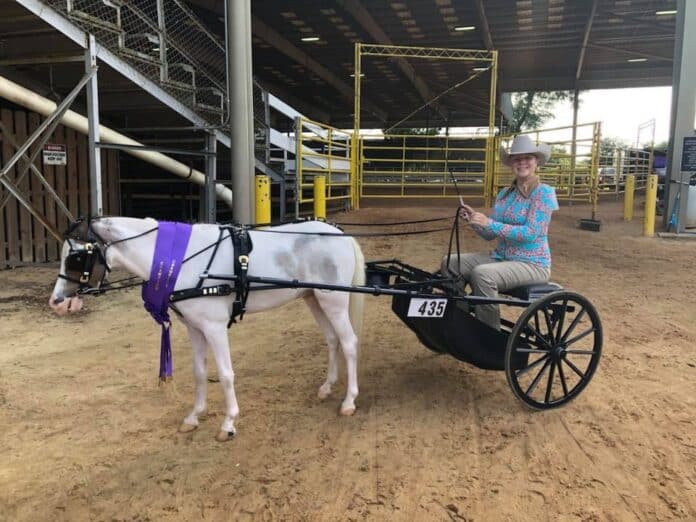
<point>553,350</point>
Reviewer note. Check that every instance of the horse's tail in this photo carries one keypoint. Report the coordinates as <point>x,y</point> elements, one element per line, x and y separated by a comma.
<point>357,300</point>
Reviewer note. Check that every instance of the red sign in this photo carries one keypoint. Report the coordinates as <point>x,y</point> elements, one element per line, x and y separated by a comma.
<point>54,154</point>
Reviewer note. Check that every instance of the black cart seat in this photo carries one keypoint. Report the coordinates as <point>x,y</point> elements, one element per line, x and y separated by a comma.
<point>533,292</point>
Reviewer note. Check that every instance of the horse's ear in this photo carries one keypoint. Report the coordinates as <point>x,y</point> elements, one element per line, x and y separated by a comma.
<point>78,230</point>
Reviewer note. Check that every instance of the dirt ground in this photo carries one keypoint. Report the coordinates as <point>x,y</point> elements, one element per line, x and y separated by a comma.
<point>88,435</point>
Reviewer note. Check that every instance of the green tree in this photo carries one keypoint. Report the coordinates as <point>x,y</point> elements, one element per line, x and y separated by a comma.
<point>608,147</point>
<point>661,146</point>
<point>531,109</point>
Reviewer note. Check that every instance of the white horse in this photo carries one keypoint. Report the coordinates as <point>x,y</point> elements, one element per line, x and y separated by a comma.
<point>302,257</point>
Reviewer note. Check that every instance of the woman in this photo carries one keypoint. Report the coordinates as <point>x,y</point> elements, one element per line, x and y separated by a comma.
<point>520,221</point>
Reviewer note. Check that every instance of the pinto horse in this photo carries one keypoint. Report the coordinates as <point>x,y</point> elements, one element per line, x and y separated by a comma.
<point>310,251</point>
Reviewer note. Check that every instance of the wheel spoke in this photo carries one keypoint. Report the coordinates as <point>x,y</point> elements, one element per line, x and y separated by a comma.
<point>580,336</point>
<point>537,378</point>
<point>536,363</point>
<point>549,384</point>
<point>530,336</point>
<point>561,375</point>
<point>561,318</point>
<point>574,368</point>
<point>539,336</point>
<point>573,324</point>
<point>530,350</point>
<point>549,324</point>
<point>581,352</point>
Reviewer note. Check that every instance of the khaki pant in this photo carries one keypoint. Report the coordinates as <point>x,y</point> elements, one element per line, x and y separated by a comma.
<point>487,277</point>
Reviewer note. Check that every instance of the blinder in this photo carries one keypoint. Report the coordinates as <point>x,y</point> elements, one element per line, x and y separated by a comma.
<point>85,263</point>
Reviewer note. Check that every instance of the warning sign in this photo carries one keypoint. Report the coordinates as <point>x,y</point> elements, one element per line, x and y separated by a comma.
<point>54,154</point>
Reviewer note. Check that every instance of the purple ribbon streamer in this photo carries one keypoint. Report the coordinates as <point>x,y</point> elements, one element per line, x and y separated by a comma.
<point>170,247</point>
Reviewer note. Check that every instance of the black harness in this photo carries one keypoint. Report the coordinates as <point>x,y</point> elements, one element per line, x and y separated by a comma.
<point>88,262</point>
<point>242,247</point>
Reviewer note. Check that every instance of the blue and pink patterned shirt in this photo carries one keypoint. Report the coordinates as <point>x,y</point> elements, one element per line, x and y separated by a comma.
<point>521,225</point>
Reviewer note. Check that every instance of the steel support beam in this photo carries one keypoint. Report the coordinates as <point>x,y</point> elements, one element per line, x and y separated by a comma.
<point>240,95</point>
<point>48,125</point>
<point>95,177</point>
<point>24,201</point>
<point>18,181</point>
<point>638,54</point>
<point>284,46</point>
<point>585,38</point>
<point>43,60</point>
<point>683,119</point>
<point>209,205</point>
<point>356,9</point>
<point>485,30</point>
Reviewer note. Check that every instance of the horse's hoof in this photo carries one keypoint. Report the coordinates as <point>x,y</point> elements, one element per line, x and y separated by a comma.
<point>347,412</point>
<point>323,394</point>
<point>224,436</point>
<point>187,428</point>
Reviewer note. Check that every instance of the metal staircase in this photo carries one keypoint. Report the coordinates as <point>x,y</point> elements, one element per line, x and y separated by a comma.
<point>167,45</point>
<point>165,41</point>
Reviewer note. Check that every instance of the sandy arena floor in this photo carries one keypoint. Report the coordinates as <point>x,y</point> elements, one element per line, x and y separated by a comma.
<point>88,435</point>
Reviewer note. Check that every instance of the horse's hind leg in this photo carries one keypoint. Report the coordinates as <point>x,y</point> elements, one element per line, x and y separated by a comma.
<point>331,341</point>
<point>216,335</point>
<point>200,347</point>
<point>335,307</point>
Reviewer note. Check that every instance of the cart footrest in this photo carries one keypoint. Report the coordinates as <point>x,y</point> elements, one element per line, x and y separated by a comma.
<point>532,292</point>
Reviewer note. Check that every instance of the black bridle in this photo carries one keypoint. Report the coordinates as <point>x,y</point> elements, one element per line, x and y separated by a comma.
<point>85,264</point>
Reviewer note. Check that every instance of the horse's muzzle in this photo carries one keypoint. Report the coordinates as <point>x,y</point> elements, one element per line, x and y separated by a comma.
<point>65,305</point>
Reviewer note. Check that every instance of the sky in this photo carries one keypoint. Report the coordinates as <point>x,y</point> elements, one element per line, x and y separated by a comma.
<point>621,112</point>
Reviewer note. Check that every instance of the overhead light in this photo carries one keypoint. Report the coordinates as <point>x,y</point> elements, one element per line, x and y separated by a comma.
<point>479,69</point>
<point>666,13</point>
<point>634,60</point>
<point>465,27</point>
<point>361,75</point>
<point>310,39</point>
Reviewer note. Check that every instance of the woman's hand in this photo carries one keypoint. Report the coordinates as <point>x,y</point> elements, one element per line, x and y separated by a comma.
<point>470,215</point>
<point>480,219</point>
<point>465,212</point>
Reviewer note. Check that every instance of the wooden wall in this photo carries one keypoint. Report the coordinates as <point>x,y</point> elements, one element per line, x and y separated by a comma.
<point>23,240</point>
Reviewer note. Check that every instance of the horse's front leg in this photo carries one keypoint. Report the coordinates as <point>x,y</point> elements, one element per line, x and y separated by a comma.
<point>216,335</point>
<point>200,375</point>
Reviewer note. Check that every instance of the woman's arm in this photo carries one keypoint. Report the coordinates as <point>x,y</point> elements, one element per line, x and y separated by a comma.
<point>483,232</point>
<point>538,219</point>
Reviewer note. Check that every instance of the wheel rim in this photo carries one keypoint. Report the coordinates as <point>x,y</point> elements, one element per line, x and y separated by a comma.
<point>553,350</point>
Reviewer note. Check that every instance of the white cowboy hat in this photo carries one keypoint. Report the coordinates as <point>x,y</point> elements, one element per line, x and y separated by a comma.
<point>524,145</point>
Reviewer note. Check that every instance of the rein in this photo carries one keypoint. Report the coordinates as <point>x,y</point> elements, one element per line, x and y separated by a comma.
<point>99,247</point>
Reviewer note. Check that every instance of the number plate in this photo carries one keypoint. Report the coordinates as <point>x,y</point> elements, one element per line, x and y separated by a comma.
<point>419,307</point>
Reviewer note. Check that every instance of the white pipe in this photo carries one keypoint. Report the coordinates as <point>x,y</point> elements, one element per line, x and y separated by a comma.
<point>29,99</point>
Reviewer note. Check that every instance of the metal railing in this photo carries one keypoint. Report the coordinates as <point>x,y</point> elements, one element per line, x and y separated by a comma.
<point>417,166</point>
<point>616,163</point>
<point>322,150</point>
<point>572,168</point>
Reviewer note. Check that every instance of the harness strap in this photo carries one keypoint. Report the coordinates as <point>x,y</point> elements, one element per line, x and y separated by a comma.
<point>241,242</point>
<point>210,261</point>
<point>191,293</point>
